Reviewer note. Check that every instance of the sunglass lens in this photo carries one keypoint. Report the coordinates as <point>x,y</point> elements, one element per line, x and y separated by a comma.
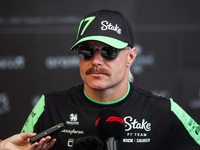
<point>109,53</point>
<point>85,52</point>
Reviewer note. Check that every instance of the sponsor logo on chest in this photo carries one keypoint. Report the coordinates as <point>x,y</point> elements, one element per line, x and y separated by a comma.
<point>73,119</point>
<point>136,131</point>
<point>131,123</point>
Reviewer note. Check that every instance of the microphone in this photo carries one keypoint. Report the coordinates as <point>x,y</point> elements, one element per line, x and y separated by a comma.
<point>88,143</point>
<point>110,127</point>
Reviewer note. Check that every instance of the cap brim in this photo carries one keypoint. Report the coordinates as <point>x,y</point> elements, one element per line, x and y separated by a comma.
<point>107,40</point>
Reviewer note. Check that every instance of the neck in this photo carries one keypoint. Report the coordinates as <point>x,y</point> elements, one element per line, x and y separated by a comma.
<point>111,95</point>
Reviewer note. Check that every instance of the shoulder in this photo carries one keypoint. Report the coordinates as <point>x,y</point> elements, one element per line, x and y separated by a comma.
<point>149,99</point>
<point>148,94</point>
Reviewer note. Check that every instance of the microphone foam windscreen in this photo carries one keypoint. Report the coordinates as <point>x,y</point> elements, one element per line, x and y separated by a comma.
<point>88,143</point>
<point>110,123</point>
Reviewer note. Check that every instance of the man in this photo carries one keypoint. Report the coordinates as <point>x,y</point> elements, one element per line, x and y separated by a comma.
<point>105,45</point>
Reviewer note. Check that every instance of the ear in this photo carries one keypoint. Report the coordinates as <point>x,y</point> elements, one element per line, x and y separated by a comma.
<point>131,56</point>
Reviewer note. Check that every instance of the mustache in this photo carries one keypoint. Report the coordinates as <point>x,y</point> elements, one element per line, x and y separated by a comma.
<point>98,70</point>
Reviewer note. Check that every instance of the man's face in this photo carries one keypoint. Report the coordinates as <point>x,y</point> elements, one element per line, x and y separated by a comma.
<point>100,74</point>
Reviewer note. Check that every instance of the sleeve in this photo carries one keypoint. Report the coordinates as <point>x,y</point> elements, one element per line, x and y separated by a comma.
<point>34,116</point>
<point>185,131</point>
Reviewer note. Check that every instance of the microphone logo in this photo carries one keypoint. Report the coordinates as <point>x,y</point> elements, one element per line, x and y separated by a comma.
<point>110,119</point>
<point>114,118</point>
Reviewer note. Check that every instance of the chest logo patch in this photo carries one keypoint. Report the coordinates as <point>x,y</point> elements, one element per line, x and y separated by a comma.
<point>73,119</point>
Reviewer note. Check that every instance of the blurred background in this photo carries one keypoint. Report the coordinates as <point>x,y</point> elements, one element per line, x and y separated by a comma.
<point>36,35</point>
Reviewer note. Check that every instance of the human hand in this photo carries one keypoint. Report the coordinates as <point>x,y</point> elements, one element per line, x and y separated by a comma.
<point>21,142</point>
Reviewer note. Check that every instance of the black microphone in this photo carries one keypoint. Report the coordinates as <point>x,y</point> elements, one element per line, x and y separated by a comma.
<point>110,127</point>
<point>88,143</point>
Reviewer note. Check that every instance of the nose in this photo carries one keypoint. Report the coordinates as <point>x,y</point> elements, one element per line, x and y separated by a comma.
<point>97,59</point>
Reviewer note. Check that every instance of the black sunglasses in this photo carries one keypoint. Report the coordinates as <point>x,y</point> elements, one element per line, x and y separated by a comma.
<point>87,52</point>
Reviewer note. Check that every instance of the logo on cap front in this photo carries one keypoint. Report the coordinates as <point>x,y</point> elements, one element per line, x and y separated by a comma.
<point>108,26</point>
<point>89,21</point>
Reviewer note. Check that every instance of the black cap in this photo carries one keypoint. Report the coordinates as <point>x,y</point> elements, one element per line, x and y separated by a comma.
<point>109,27</point>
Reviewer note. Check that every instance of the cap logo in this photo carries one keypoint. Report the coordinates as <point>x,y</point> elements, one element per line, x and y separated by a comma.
<point>88,20</point>
<point>108,26</point>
